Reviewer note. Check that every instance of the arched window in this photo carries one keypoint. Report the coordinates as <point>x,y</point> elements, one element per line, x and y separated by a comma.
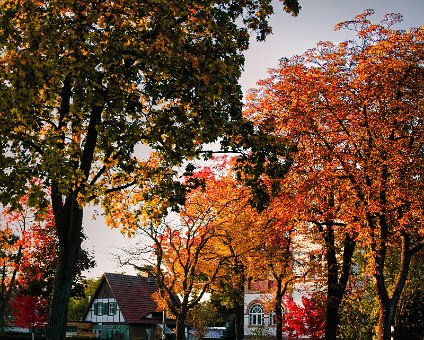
<point>256,315</point>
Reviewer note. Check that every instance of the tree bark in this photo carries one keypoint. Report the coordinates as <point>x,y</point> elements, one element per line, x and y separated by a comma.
<point>239,321</point>
<point>68,220</point>
<point>278,306</point>
<point>332,318</point>
<point>385,319</point>
<point>180,328</point>
<point>7,296</point>
<point>68,215</point>
<point>279,315</point>
<point>389,301</point>
<point>336,284</point>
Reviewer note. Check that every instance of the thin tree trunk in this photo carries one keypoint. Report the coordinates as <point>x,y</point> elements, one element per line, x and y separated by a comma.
<point>388,302</point>
<point>8,295</point>
<point>332,318</point>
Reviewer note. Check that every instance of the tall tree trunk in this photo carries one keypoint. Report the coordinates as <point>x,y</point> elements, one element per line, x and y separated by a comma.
<point>68,218</point>
<point>332,318</point>
<point>65,273</point>
<point>336,284</point>
<point>279,318</point>
<point>278,305</point>
<point>68,215</point>
<point>180,328</point>
<point>239,321</point>
<point>385,320</point>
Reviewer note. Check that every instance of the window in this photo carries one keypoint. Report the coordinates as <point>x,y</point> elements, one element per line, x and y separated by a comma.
<point>112,308</point>
<point>104,308</point>
<point>272,319</point>
<point>98,308</point>
<point>256,315</point>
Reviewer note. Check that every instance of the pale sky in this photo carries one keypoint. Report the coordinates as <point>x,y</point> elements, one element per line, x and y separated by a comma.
<point>291,35</point>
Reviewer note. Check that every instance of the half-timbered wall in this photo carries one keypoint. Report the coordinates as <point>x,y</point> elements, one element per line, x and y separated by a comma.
<point>105,310</point>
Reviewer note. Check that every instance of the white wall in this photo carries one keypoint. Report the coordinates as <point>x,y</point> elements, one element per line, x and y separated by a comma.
<point>266,328</point>
<point>117,317</point>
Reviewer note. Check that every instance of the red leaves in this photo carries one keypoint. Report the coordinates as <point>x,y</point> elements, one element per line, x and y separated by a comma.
<point>28,244</point>
<point>308,320</point>
<point>29,311</point>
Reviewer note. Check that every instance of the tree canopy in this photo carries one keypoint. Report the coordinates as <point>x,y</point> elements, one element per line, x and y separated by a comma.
<point>353,114</point>
<point>86,83</point>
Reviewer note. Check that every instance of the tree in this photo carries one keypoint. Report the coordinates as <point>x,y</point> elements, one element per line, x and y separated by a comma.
<point>203,316</point>
<point>29,254</point>
<point>29,312</point>
<point>240,229</point>
<point>359,308</point>
<point>253,244</point>
<point>14,230</point>
<point>353,111</point>
<point>181,260</point>
<point>10,252</point>
<point>307,320</point>
<point>39,261</point>
<point>409,318</point>
<point>39,258</point>
<point>308,201</point>
<point>277,261</point>
<point>78,305</point>
<point>410,322</point>
<point>85,83</point>
<point>208,251</point>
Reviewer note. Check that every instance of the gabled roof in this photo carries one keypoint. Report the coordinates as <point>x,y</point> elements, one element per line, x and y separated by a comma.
<point>133,295</point>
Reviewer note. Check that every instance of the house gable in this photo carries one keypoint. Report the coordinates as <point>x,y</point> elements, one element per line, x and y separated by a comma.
<point>103,306</point>
<point>104,290</point>
<point>124,299</point>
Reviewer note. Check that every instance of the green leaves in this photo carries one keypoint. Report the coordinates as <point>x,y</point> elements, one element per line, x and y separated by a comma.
<point>161,73</point>
<point>84,82</point>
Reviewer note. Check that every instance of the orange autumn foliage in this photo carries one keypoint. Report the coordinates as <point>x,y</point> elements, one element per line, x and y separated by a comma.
<point>354,110</point>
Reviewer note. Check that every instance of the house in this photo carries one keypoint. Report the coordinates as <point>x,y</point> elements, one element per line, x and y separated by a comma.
<point>123,308</point>
<point>258,316</point>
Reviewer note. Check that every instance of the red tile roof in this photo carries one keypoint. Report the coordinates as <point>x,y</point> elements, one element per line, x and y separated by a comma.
<point>134,296</point>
